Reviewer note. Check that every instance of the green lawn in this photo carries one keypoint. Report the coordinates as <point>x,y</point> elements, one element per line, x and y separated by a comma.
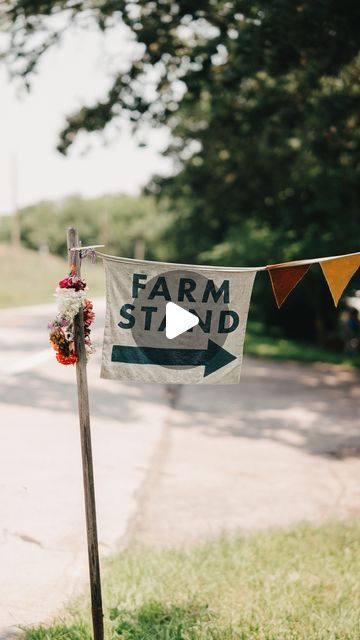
<point>296,584</point>
<point>30,278</point>
<point>257,343</point>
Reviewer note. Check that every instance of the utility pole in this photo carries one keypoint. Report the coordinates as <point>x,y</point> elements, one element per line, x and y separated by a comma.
<point>139,249</point>
<point>15,220</point>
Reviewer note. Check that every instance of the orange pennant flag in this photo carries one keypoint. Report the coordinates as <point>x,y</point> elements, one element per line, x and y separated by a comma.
<point>338,272</point>
<point>284,279</point>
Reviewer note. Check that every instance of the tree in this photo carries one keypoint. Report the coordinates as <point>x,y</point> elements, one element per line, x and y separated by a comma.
<point>262,101</point>
<point>118,221</point>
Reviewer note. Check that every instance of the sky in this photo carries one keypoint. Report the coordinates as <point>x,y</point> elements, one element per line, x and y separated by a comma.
<point>76,72</point>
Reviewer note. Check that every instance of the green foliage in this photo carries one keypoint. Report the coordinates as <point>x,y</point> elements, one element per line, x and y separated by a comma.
<point>5,231</point>
<point>262,100</point>
<point>116,221</point>
<point>293,584</point>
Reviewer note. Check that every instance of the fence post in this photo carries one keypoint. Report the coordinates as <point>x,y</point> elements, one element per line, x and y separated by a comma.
<point>86,452</point>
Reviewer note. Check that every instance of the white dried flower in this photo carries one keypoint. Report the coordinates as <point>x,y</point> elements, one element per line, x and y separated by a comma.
<point>69,303</point>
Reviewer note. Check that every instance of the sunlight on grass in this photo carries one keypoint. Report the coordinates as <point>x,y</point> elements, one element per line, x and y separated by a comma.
<point>27,277</point>
<point>296,584</point>
<point>257,343</point>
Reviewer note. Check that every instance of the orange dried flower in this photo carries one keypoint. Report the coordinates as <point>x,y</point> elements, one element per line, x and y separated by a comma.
<point>71,359</point>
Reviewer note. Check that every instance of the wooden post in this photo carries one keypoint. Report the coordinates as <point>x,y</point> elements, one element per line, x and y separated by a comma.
<point>86,452</point>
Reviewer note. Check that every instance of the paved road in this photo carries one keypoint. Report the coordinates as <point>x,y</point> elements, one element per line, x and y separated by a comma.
<point>281,447</point>
<point>171,467</point>
<point>42,531</point>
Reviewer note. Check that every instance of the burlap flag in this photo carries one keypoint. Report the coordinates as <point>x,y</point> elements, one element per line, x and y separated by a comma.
<point>338,272</point>
<point>284,279</point>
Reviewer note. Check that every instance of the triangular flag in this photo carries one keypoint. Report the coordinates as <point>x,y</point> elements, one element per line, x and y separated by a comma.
<point>338,272</point>
<point>284,280</point>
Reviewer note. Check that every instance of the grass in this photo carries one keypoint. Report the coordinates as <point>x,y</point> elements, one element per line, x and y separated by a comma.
<point>30,278</point>
<point>296,584</point>
<point>259,345</point>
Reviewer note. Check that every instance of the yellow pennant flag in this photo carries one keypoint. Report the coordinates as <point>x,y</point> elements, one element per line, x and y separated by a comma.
<point>338,272</point>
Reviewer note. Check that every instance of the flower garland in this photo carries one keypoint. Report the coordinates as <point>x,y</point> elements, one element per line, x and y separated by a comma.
<point>70,297</point>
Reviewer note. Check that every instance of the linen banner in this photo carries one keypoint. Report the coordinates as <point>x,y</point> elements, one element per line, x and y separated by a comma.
<point>135,346</point>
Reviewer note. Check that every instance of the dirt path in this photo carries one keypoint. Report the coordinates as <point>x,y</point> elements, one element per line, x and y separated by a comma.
<point>283,446</point>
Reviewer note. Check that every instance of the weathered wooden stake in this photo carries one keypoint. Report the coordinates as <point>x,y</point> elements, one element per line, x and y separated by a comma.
<point>87,462</point>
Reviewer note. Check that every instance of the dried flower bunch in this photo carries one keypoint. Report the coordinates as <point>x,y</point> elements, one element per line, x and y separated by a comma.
<point>70,297</point>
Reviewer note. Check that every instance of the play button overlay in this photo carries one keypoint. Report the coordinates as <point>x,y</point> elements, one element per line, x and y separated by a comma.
<point>178,320</point>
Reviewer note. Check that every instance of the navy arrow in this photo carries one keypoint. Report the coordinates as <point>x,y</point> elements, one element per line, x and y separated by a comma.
<point>213,358</point>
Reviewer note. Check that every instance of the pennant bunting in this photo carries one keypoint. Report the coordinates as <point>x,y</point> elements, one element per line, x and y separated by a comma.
<point>338,272</point>
<point>285,276</point>
<point>284,279</point>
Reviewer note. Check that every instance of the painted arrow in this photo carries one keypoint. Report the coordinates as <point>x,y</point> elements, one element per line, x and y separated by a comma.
<point>213,358</point>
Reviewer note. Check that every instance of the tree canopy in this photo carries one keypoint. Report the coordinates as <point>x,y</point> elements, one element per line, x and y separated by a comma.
<point>262,102</point>
<point>117,221</point>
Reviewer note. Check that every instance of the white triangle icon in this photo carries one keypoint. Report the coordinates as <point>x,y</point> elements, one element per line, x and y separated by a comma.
<point>178,320</point>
